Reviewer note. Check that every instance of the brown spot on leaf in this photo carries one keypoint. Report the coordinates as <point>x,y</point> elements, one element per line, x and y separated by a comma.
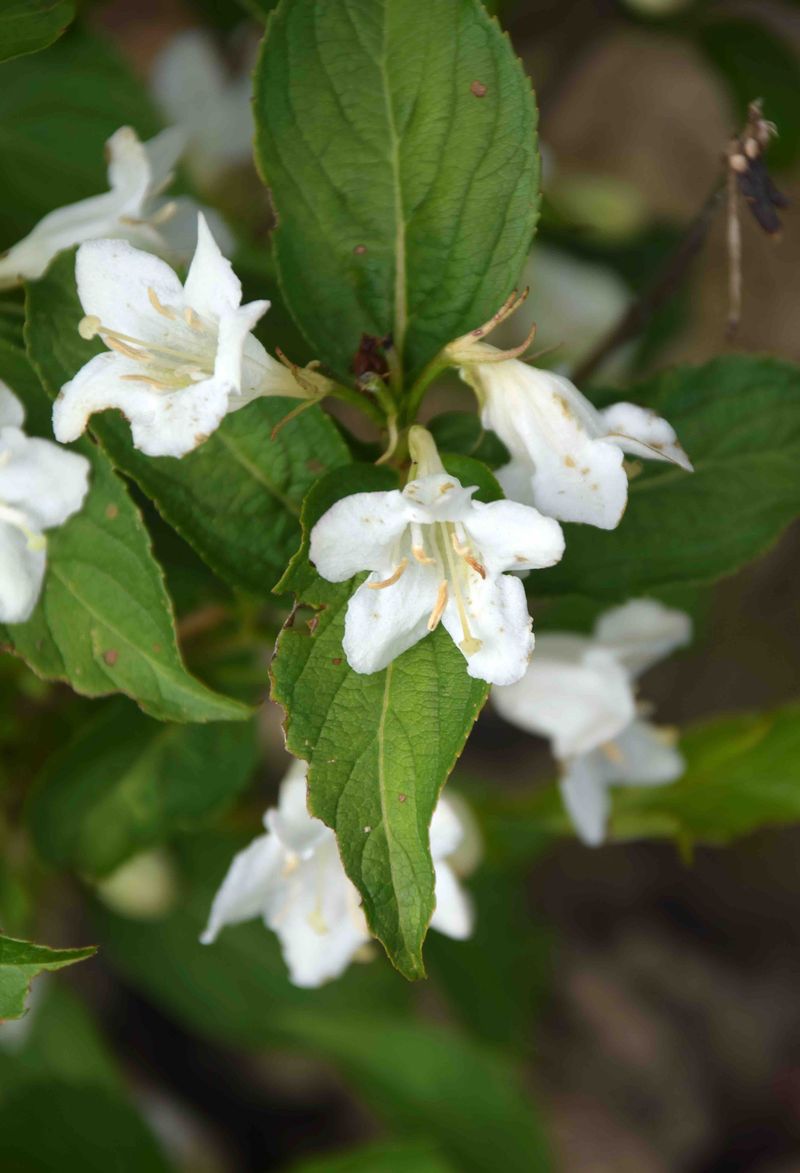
<point>401,797</point>
<point>336,661</point>
<point>478,89</point>
<point>156,648</point>
<point>313,623</point>
<point>360,249</point>
<point>112,512</point>
<point>110,657</point>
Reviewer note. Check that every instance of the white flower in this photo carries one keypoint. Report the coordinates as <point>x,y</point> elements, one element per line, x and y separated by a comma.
<point>293,877</point>
<point>137,174</point>
<point>579,692</point>
<point>180,356</point>
<point>566,456</point>
<point>435,555</point>
<point>41,485</point>
<point>213,109</point>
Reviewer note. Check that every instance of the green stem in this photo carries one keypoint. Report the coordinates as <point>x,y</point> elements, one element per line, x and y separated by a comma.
<point>362,402</point>
<point>417,392</point>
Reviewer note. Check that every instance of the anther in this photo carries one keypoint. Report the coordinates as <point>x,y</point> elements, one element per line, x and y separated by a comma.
<point>387,582</point>
<point>192,320</point>
<point>421,556</point>
<point>158,305</point>
<point>128,351</point>
<point>476,565</point>
<point>439,606</point>
<point>89,327</point>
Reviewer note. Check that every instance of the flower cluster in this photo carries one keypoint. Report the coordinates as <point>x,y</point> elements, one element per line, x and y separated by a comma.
<point>41,486</point>
<point>579,692</point>
<point>292,877</point>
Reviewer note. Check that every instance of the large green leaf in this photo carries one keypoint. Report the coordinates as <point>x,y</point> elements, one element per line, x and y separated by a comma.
<point>21,962</point>
<point>742,774</point>
<point>26,26</point>
<point>237,498</point>
<point>56,111</point>
<point>379,747</point>
<point>379,1158</point>
<point>126,782</point>
<point>398,138</point>
<point>104,622</point>
<point>739,420</point>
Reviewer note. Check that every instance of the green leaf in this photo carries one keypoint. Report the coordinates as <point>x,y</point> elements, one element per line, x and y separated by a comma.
<point>462,432</point>
<point>49,1125</point>
<point>742,774</point>
<point>56,112</point>
<point>21,962</point>
<point>104,622</point>
<point>739,420</point>
<point>398,138</point>
<point>27,27</point>
<point>754,62</point>
<point>126,783</point>
<point>427,1080</point>
<point>380,1158</point>
<point>473,472</point>
<point>379,747</point>
<point>237,498</point>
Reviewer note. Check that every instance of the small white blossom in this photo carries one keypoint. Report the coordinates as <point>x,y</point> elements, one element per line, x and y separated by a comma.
<point>292,876</point>
<point>41,486</point>
<point>180,357</point>
<point>579,692</point>
<point>566,456</point>
<point>211,107</point>
<point>435,555</point>
<point>132,209</point>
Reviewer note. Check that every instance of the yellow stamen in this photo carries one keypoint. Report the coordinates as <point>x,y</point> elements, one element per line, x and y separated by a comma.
<point>159,306</point>
<point>421,556</point>
<point>89,327</point>
<point>439,606</point>
<point>387,582</point>
<point>192,320</point>
<point>476,566</point>
<point>128,351</point>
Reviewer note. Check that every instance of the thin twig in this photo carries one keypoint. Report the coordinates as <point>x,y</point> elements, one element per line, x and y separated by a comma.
<point>662,288</point>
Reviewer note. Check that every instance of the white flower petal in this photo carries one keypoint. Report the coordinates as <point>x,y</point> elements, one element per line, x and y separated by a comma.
<point>511,536</point>
<point>162,153</point>
<point>516,481</point>
<point>169,424</point>
<point>382,624</point>
<point>357,534</point>
<point>578,702</point>
<point>234,342</point>
<point>113,282</point>
<point>12,413</point>
<point>245,890</point>
<point>58,230</point>
<point>497,612</point>
<point>547,425</point>
<point>584,790</point>
<point>446,831</point>
<point>647,756</point>
<point>437,497</point>
<point>297,830</point>
<point>21,575</point>
<point>212,288</point>
<point>453,914</point>
<point>318,918</point>
<point>642,632</point>
<point>641,432</point>
<point>129,172</point>
<point>36,476</point>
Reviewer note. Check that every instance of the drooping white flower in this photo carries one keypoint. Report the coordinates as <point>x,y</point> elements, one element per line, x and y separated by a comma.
<point>566,456</point>
<point>211,107</point>
<point>180,356</point>
<point>435,555</point>
<point>131,210</point>
<point>41,485</point>
<point>579,692</point>
<point>292,876</point>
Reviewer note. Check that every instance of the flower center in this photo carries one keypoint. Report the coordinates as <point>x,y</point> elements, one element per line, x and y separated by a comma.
<point>452,553</point>
<point>187,357</point>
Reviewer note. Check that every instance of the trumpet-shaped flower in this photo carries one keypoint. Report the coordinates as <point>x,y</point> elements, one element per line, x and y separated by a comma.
<point>213,109</point>
<point>435,555</point>
<point>293,878</point>
<point>137,175</point>
<point>566,456</point>
<point>579,693</point>
<point>180,357</point>
<point>41,485</point>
